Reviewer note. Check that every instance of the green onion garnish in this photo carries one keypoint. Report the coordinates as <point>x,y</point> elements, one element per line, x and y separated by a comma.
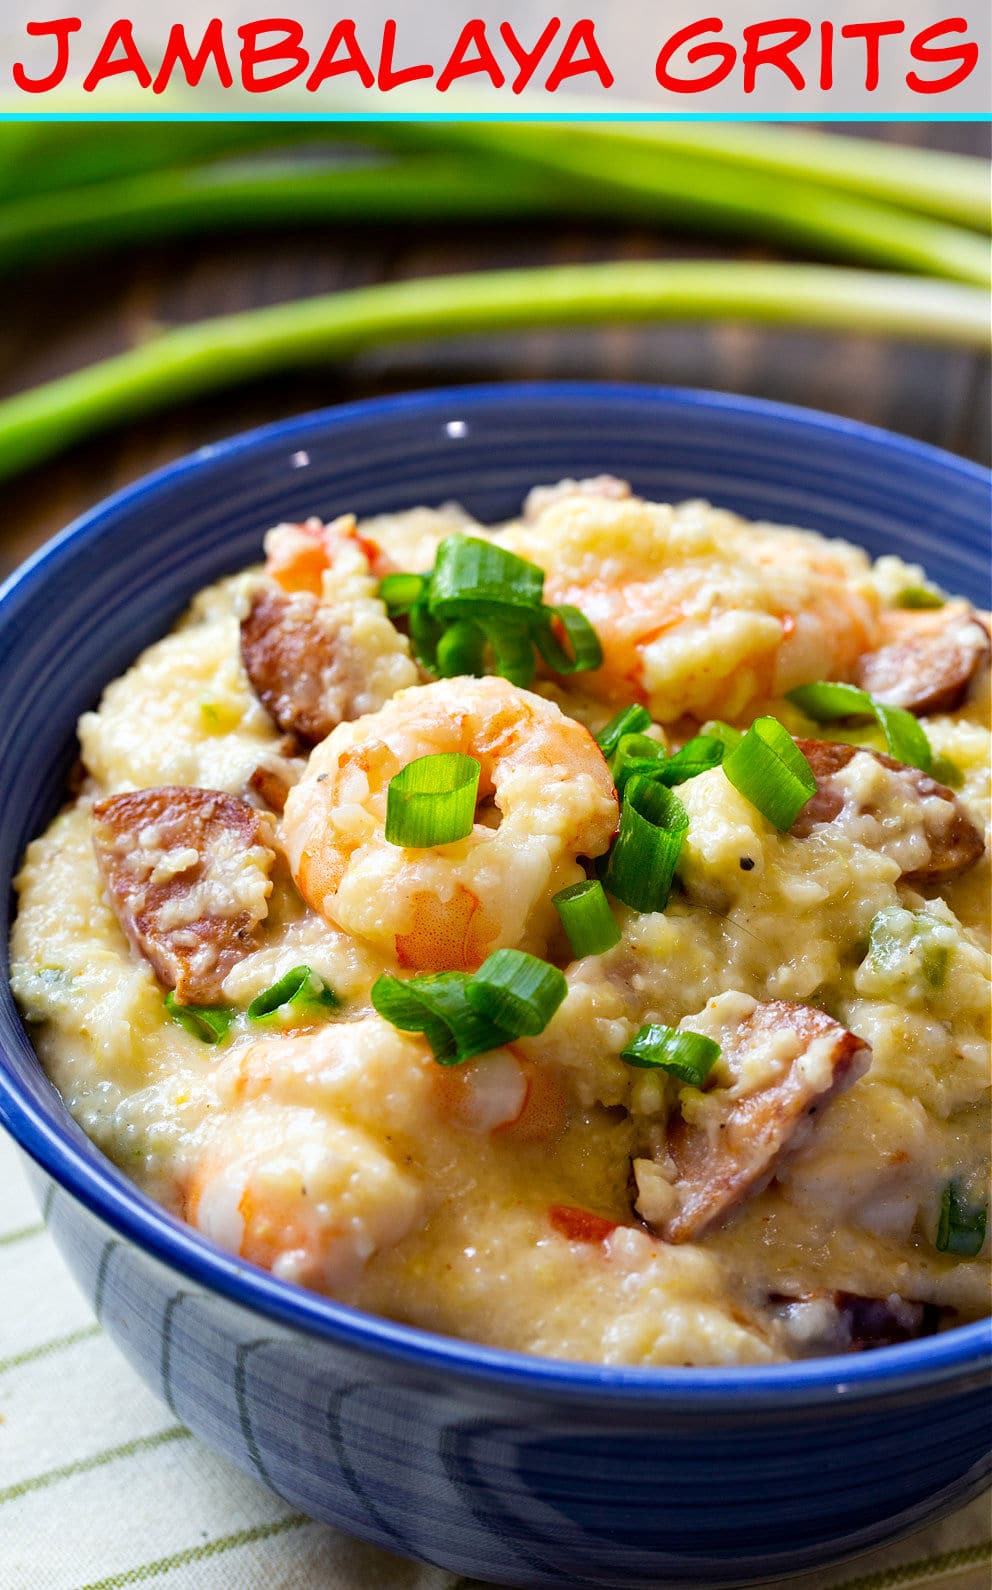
<point>425,632</point>
<point>401,592</point>
<point>299,990</point>
<point>917,596</point>
<point>827,701</point>
<point>629,720</point>
<point>716,729</point>
<point>698,755</point>
<point>437,1006</point>
<point>517,992</point>
<point>947,772</point>
<point>460,650</point>
<point>584,649</point>
<point>960,1229</point>
<point>587,919</point>
<point>513,651</point>
<point>209,1023</point>
<point>770,771</point>
<point>686,1055</point>
<point>432,801</point>
<point>641,863</point>
<point>480,579</point>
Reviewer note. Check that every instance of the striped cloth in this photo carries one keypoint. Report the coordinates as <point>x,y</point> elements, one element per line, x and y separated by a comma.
<point>100,1489</point>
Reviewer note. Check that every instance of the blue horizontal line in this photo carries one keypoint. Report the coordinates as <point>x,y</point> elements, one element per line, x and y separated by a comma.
<point>499,116</point>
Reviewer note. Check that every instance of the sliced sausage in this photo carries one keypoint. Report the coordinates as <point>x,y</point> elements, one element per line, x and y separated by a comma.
<point>735,1151</point>
<point>901,811</point>
<point>299,665</point>
<point>845,1322</point>
<point>187,874</point>
<point>930,661</point>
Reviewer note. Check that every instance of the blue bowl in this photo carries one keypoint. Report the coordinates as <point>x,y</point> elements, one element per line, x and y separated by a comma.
<point>514,1469</point>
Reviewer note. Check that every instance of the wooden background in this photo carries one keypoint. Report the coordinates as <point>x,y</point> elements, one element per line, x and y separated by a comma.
<point>61,317</point>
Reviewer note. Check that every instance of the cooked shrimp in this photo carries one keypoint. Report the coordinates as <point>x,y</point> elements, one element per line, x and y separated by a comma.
<point>310,1169</point>
<point>301,557</point>
<point>502,1093</point>
<point>698,612</point>
<point>447,907</point>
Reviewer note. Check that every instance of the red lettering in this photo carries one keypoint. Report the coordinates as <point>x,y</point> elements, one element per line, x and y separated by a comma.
<point>388,76</point>
<point>343,33</point>
<point>725,54</point>
<point>826,55</point>
<point>528,62</point>
<point>119,33</point>
<point>461,64</point>
<point>286,48</point>
<point>871,32</point>
<point>920,50</point>
<point>178,53</point>
<point>60,30</point>
<point>756,53</point>
<point>570,64</point>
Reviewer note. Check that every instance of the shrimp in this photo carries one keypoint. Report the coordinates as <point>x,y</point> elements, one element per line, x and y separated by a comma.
<point>699,613</point>
<point>502,1094</point>
<point>447,907</point>
<point>310,1169</point>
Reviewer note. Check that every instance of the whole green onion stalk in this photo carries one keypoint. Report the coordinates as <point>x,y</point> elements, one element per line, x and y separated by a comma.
<point>220,353</point>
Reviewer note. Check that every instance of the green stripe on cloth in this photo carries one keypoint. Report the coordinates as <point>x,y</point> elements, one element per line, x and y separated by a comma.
<point>210,1548</point>
<point>10,1237</point>
<point>923,1570</point>
<point>144,1443</point>
<point>43,1350</point>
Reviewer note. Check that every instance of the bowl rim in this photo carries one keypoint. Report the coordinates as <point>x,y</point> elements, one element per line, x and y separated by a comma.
<point>90,1178</point>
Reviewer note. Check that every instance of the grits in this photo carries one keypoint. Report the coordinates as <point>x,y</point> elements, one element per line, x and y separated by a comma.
<point>544,1195</point>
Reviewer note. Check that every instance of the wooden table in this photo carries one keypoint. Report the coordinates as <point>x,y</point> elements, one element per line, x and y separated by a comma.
<point>65,316</point>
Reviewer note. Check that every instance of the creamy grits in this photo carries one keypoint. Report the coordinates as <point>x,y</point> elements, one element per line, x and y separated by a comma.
<point>669,1046</point>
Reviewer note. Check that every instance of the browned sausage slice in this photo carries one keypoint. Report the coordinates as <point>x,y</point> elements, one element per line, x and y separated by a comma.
<point>187,874</point>
<point>298,663</point>
<point>920,823</point>
<point>734,1153</point>
<point>929,662</point>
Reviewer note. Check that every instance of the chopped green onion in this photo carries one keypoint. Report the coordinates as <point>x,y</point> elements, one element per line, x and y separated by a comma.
<point>698,755</point>
<point>209,1023</point>
<point>636,755</point>
<point>947,772</point>
<point>460,650</point>
<point>585,651</point>
<point>641,863</point>
<point>629,720</point>
<point>587,918</point>
<point>770,771</point>
<point>917,596</point>
<point>437,1006</point>
<point>960,1229</point>
<point>479,579</point>
<point>716,729</point>
<point>828,700</point>
<point>425,633</point>
<point>432,800</point>
<point>300,989</point>
<point>401,592</point>
<point>513,651</point>
<point>687,1055</point>
<point>517,992</point>
<point>639,754</point>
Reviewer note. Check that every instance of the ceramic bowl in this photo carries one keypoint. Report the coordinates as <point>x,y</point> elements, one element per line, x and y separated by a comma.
<point>517,1470</point>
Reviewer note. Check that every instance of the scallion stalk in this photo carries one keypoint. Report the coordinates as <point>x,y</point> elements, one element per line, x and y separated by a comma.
<point>960,1228</point>
<point>826,701</point>
<point>300,991</point>
<point>641,862</point>
<point>689,1056</point>
<point>216,354</point>
<point>209,1023</point>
